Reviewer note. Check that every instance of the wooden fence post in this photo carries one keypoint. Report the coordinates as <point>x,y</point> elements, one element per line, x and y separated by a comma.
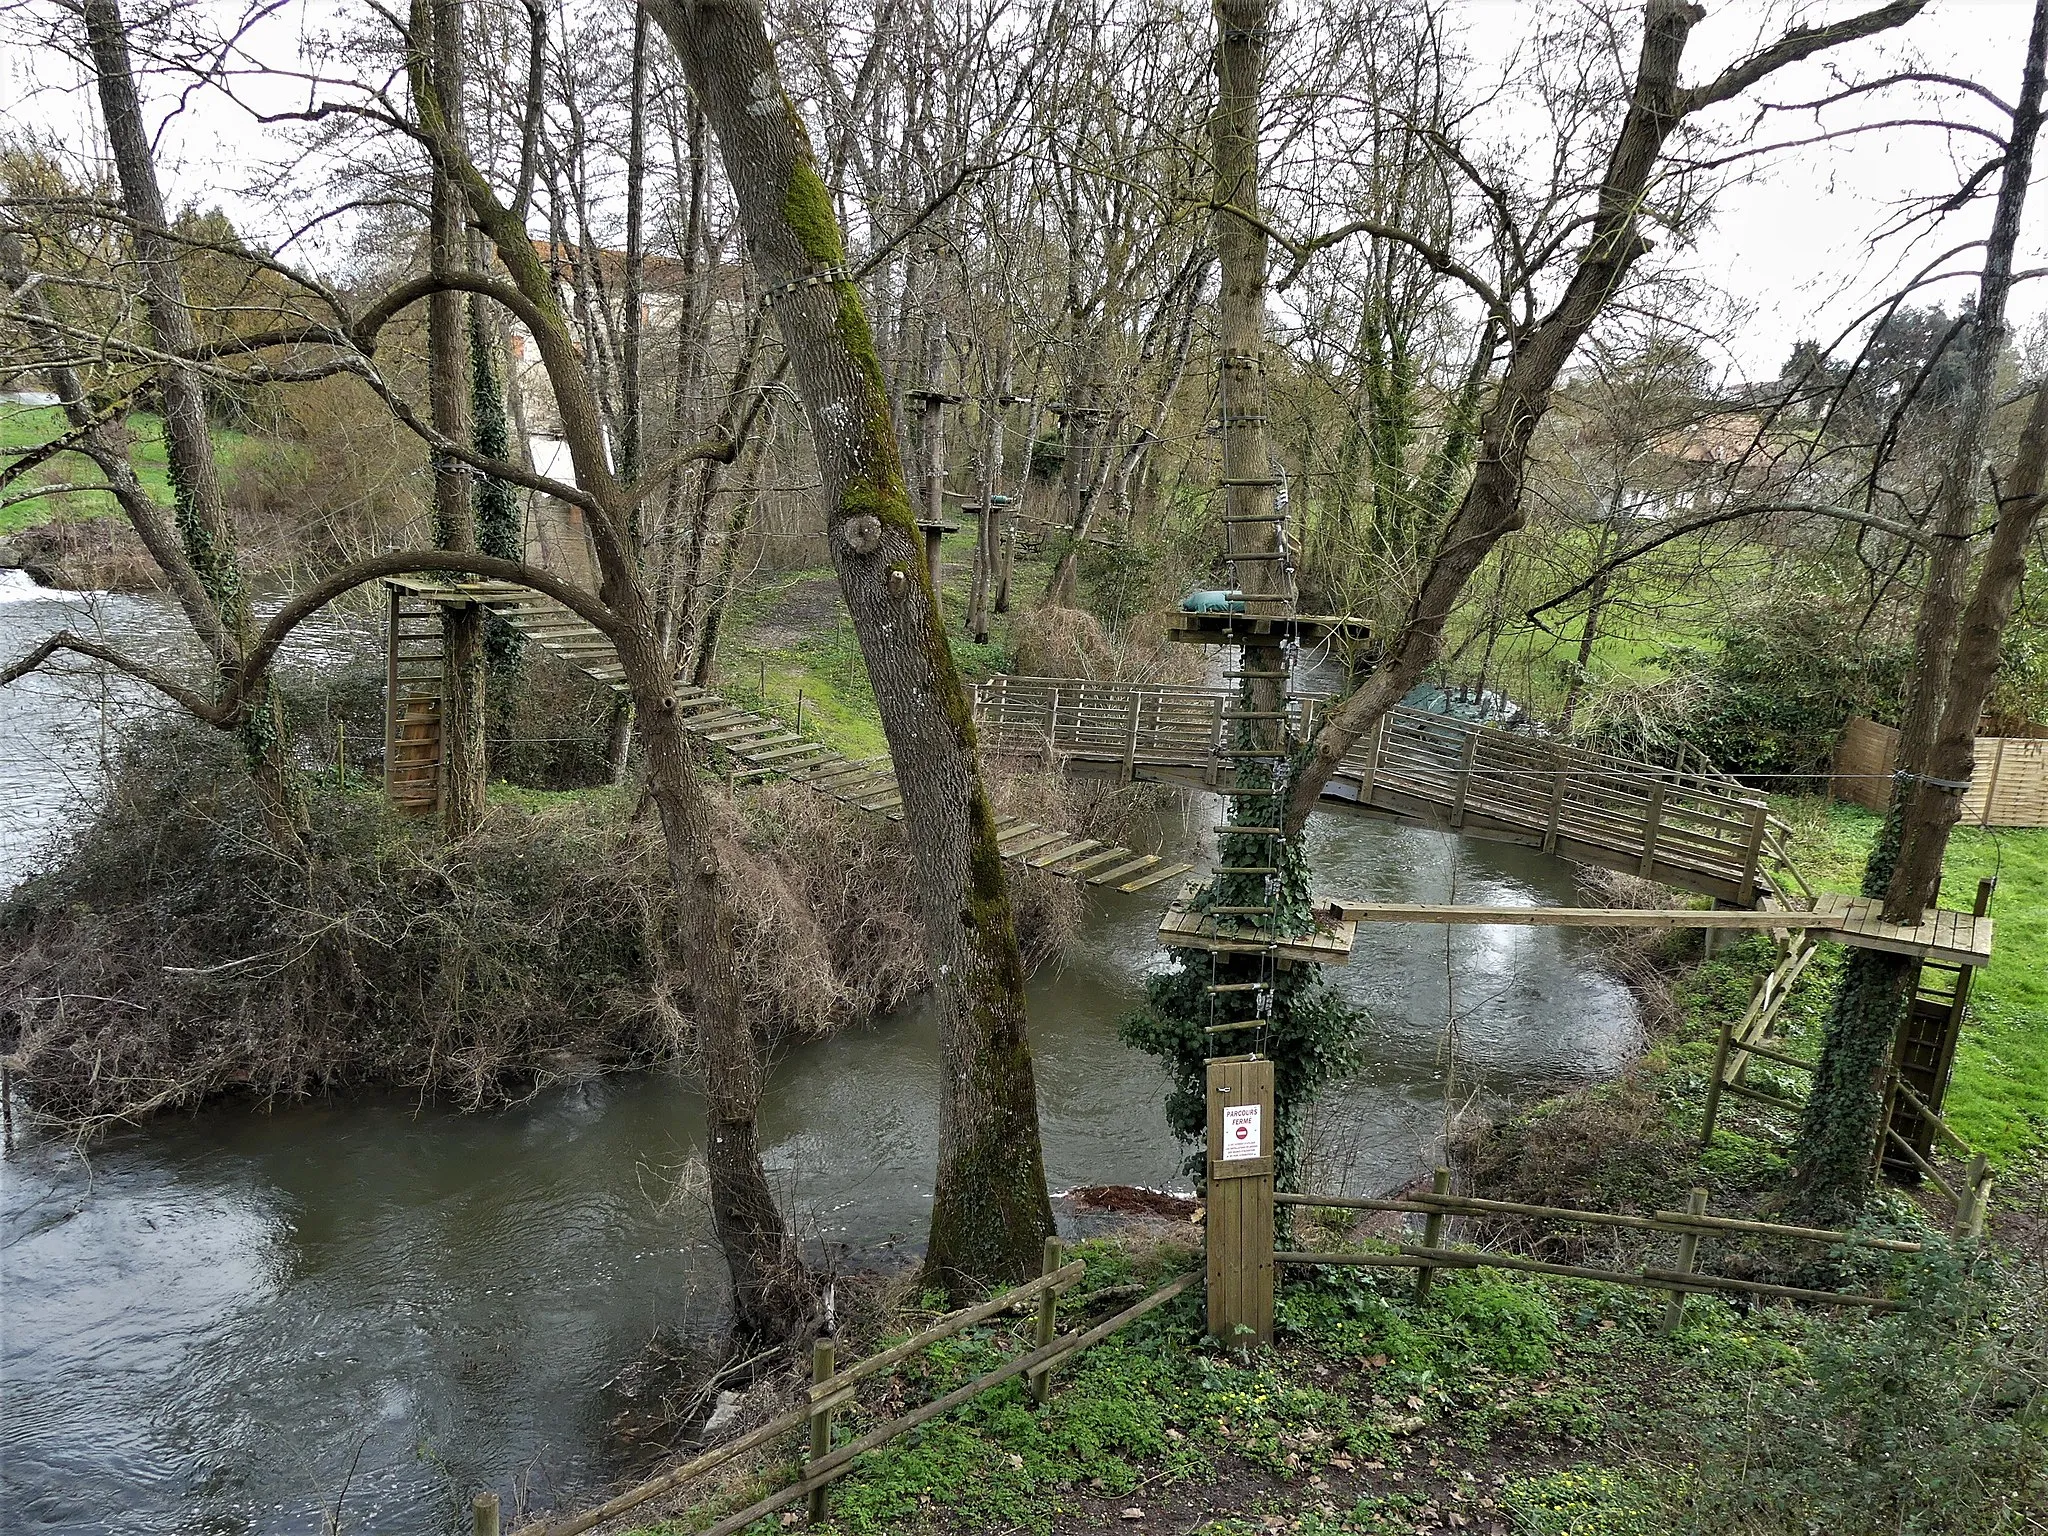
<point>822,1353</point>
<point>1465,761</point>
<point>1432,1233</point>
<point>1652,825</point>
<point>1240,1208</point>
<point>1976,1190</point>
<point>1688,1256</point>
<point>1042,1334</point>
<point>1558,783</point>
<point>1714,1082</point>
<point>483,1514</point>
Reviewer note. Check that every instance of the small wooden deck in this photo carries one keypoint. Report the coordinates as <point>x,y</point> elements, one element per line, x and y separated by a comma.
<point>1184,928</point>
<point>1272,628</point>
<point>1944,937</point>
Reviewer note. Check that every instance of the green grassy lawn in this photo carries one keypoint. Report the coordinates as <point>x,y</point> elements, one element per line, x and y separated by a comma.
<point>791,637</point>
<point>1998,1099</point>
<point>23,427</point>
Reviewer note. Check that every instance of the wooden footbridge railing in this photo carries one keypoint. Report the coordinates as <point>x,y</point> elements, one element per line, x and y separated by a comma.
<point>1696,830</point>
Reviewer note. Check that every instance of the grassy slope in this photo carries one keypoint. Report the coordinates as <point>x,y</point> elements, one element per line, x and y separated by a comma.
<point>30,426</point>
<point>1502,1404</point>
<point>1998,1099</point>
<point>821,660</point>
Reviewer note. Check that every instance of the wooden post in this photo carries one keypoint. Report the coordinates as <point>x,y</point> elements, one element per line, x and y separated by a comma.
<point>1042,1334</point>
<point>934,556</point>
<point>1240,1201</point>
<point>1130,768</point>
<point>1464,777</point>
<point>390,688</point>
<point>1688,1256</point>
<point>1976,1187</point>
<point>1651,827</point>
<point>799,711</point>
<point>1558,782</point>
<point>1753,852</point>
<point>483,1514</point>
<point>821,1427</point>
<point>1714,1082</point>
<point>1372,759</point>
<point>1432,1233</point>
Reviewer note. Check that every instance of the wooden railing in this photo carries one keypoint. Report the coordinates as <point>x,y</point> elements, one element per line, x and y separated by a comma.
<point>1692,828</point>
<point>1243,1263</point>
<point>833,1387</point>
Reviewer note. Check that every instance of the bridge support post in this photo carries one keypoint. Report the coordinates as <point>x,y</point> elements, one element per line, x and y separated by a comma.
<point>1239,1218</point>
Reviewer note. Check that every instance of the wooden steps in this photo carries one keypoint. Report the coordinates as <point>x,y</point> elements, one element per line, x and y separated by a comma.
<point>750,746</point>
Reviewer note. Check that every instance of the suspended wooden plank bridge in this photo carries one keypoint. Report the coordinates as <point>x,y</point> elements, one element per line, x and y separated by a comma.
<point>749,745</point>
<point>1697,831</point>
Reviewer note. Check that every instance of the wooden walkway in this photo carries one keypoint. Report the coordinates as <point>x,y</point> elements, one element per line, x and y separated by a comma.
<point>1944,937</point>
<point>1696,831</point>
<point>748,745</point>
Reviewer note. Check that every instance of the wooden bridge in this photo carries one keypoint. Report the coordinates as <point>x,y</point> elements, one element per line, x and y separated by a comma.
<point>1695,830</point>
<point>747,745</point>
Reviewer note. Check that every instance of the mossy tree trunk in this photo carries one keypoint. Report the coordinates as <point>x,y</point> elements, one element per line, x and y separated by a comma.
<point>202,559</point>
<point>771,1290</point>
<point>1957,639</point>
<point>990,1210</point>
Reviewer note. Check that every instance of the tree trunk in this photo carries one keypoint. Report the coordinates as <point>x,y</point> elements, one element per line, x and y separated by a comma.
<point>205,535</point>
<point>990,1209</point>
<point>464,743</point>
<point>1957,638</point>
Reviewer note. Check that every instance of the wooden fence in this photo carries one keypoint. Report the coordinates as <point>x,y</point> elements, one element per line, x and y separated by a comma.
<point>833,1387</point>
<point>2009,788</point>
<point>1243,1263</point>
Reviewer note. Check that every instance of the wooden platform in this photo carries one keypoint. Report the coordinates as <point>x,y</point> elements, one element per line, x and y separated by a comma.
<point>1250,628</point>
<point>1946,938</point>
<point>1184,928</point>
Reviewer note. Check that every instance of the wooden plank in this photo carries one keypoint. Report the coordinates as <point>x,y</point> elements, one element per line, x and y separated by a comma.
<point>1066,851</point>
<point>1030,843</point>
<point>1238,1221</point>
<point>1113,876</point>
<point>1152,878</point>
<point>1567,917</point>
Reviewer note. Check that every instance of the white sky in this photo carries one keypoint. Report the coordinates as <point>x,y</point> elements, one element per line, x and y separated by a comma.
<point>1790,243</point>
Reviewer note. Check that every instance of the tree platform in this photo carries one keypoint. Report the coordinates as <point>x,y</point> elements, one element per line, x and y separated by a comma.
<point>1184,928</point>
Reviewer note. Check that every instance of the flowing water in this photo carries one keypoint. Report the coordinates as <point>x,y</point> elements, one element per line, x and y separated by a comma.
<point>233,1322</point>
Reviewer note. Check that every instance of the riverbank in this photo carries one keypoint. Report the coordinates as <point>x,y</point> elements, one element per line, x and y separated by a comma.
<point>1511,1404</point>
<point>480,971</point>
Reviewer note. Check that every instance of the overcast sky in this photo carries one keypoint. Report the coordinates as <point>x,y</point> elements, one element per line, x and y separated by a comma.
<point>1791,242</point>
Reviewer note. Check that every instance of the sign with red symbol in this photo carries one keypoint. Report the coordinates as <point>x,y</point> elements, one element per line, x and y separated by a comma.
<point>1240,1132</point>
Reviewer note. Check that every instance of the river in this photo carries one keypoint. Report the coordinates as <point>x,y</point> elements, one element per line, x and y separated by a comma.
<point>229,1322</point>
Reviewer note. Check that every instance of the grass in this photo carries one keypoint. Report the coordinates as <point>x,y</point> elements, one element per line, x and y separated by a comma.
<point>1998,1097</point>
<point>24,427</point>
<point>1502,1403</point>
<point>791,636</point>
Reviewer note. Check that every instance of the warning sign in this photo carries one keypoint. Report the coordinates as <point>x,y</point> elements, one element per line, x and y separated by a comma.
<point>1240,1132</point>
